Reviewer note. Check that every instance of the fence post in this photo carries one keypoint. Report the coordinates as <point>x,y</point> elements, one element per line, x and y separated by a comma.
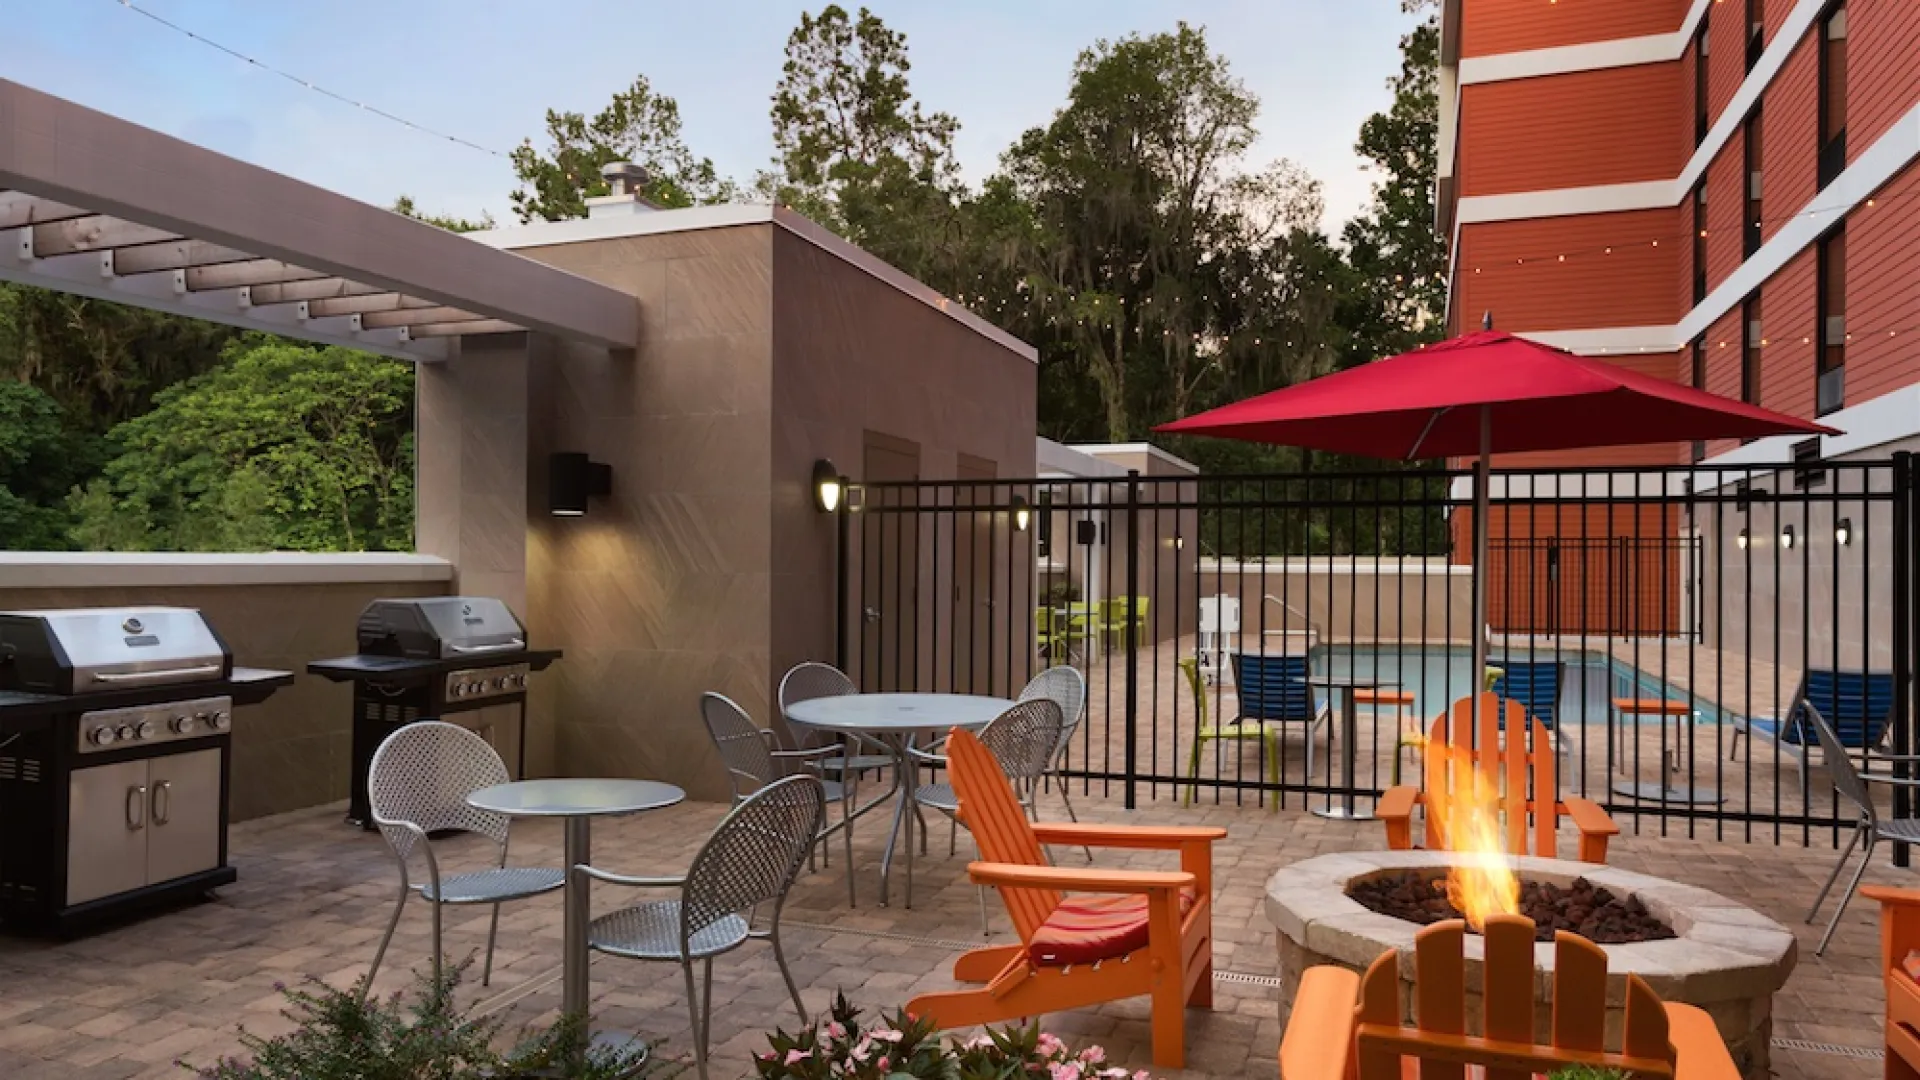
<point>1904,658</point>
<point>1132,697</point>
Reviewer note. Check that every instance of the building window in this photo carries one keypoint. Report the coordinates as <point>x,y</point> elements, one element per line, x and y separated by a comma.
<point>1756,31</point>
<point>1833,94</point>
<point>1700,241</point>
<point>1831,391</point>
<point>1701,121</point>
<point>1751,342</point>
<point>1750,226</point>
<point>1699,383</point>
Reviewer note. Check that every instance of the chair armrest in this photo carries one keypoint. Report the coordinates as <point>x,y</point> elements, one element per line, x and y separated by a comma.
<point>632,882</point>
<point>1078,879</point>
<point>1884,778</point>
<point>818,753</point>
<point>1138,837</point>
<point>1396,809</point>
<point>927,757</point>
<point>1319,1036</point>
<point>1888,896</point>
<point>1588,817</point>
<point>1699,1052</point>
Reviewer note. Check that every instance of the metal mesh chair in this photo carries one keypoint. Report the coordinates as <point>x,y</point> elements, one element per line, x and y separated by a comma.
<point>1067,688</point>
<point>752,763</point>
<point>1024,740</point>
<point>810,680</point>
<point>751,859</point>
<point>418,784</point>
<point>1851,786</point>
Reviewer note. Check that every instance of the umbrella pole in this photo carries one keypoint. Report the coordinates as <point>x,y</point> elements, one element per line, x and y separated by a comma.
<point>1482,525</point>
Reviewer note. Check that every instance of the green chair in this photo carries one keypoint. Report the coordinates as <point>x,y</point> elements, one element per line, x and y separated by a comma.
<point>1205,730</point>
<point>1120,612</point>
<point>1056,632</point>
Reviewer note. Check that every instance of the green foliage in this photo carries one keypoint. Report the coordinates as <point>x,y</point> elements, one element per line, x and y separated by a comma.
<point>284,447</point>
<point>41,457</point>
<point>1587,1072</point>
<point>337,1036</point>
<point>904,1048</point>
<point>404,206</point>
<point>639,126</point>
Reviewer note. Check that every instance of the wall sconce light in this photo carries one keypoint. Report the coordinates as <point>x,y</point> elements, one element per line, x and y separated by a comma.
<point>1786,538</point>
<point>828,489</point>
<point>1022,513</point>
<point>572,479</point>
<point>1743,540</point>
<point>1843,532</point>
<point>1179,542</point>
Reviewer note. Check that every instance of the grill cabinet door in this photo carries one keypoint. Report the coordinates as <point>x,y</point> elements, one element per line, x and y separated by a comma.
<point>184,805</point>
<point>106,830</point>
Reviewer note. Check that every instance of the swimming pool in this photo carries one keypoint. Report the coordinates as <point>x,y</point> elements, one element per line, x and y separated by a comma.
<point>1439,674</point>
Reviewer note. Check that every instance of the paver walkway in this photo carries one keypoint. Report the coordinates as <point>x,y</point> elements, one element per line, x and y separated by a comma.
<point>314,896</point>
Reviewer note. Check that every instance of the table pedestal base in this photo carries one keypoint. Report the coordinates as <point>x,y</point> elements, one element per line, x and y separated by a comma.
<point>1654,792</point>
<point>1344,813</point>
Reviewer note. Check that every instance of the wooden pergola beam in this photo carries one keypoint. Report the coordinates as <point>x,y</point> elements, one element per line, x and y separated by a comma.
<point>255,272</point>
<point>17,208</point>
<point>308,289</point>
<point>174,255</point>
<point>95,232</point>
<point>424,316</point>
<point>365,303</point>
<point>462,329</point>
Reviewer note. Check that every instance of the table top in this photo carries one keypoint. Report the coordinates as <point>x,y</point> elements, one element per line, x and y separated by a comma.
<point>1650,706</point>
<point>1349,682</point>
<point>576,797</point>
<point>898,712</point>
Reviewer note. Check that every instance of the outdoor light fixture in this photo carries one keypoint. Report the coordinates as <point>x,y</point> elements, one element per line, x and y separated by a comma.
<point>1843,532</point>
<point>572,479</point>
<point>1786,537</point>
<point>827,486</point>
<point>1179,542</point>
<point>1022,513</point>
<point>1742,540</point>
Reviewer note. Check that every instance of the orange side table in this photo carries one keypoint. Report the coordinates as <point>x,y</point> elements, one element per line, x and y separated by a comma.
<point>1664,790</point>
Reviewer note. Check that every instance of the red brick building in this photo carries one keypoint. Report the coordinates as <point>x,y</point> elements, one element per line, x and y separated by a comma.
<point>1721,192</point>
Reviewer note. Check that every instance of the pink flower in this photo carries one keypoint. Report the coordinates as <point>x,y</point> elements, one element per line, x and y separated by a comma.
<point>1049,1045</point>
<point>1093,1055</point>
<point>886,1034</point>
<point>1115,1073</point>
<point>768,1056</point>
<point>1064,1070</point>
<point>882,1063</point>
<point>795,1057</point>
<point>861,1049</point>
<point>836,1030</point>
<point>1142,1075</point>
<point>979,1042</point>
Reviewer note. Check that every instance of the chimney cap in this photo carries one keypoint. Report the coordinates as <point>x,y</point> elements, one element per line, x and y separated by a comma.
<point>624,177</point>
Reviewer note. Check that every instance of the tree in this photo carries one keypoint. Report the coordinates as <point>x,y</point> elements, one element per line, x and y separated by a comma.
<point>40,458</point>
<point>405,207</point>
<point>638,126</point>
<point>283,446</point>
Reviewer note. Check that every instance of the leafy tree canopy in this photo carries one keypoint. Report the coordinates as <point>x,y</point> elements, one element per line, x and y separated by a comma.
<point>639,126</point>
<point>404,206</point>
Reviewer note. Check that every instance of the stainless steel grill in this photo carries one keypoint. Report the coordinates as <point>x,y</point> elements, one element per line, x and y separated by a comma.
<point>439,628</point>
<point>86,650</point>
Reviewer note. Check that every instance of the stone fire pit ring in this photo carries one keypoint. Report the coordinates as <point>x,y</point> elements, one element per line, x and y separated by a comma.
<point>1726,958</point>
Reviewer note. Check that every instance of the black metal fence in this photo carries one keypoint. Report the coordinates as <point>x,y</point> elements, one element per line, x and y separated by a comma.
<point>1667,621</point>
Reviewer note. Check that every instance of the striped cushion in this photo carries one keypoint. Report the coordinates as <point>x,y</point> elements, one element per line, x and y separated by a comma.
<point>1094,927</point>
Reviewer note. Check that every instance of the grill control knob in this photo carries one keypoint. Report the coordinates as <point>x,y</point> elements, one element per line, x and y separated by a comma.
<point>145,729</point>
<point>184,724</point>
<point>102,736</point>
<point>455,690</point>
<point>124,733</point>
<point>220,721</point>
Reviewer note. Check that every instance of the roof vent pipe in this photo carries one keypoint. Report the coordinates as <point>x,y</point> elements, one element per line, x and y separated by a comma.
<point>626,182</point>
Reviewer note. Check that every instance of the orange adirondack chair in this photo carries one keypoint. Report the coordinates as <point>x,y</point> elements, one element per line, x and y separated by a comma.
<point>1349,1027</point>
<point>1509,762</point>
<point>1899,944</point>
<point>1142,932</point>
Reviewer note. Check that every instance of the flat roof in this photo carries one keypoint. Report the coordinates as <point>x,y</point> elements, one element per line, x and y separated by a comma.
<point>732,215</point>
<point>95,205</point>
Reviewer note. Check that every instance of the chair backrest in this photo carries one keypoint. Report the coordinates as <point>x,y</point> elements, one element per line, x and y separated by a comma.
<point>1839,760</point>
<point>1535,684</point>
<point>423,773</point>
<point>754,854</point>
<point>742,745</point>
<point>999,826</point>
<point>1196,684</point>
<point>1024,739</point>
<point>1858,705</point>
<point>1273,687</point>
<point>1043,620</point>
<point>1508,1049</point>
<point>804,682</point>
<point>1065,687</point>
<point>1505,756</point>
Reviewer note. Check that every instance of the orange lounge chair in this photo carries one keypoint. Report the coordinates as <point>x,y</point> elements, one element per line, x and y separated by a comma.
<point>1142,932</point>
<point>1899,962</point>
<point>1512,765</point>
<point>1350,1027</point>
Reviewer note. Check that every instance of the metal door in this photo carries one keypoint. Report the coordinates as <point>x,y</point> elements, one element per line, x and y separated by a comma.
<point>184,808</point>
<point>891,645</point>
<point>499,725</point>
<point>106,830</point>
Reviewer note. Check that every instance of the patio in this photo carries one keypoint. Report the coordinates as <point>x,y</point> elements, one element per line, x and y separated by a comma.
<point>314,895</point>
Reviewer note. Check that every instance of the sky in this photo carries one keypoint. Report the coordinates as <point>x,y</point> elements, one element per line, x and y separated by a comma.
<point>487,71</point>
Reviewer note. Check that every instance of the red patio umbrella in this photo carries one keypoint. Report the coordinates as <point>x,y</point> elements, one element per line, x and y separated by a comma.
<point>1479,394</point>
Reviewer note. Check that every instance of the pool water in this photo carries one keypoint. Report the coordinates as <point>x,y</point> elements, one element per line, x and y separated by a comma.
<point>1438,675</point>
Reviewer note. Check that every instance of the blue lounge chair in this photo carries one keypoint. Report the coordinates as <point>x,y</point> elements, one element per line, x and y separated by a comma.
<point>1859,706</point>
<point>1273,689</point>
<point>1535,684</point>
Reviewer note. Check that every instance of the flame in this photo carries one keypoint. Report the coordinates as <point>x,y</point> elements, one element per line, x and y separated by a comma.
<point>1467,808</point>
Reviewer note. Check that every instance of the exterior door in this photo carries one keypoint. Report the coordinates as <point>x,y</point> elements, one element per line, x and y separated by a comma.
<point>891,644</point>
<point>107,807</point>
<point>183,809</point>
<point>975,583</point>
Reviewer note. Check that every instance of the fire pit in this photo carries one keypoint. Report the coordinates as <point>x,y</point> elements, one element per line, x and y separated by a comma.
<point>1594,912</point>
<point>1721,956</point>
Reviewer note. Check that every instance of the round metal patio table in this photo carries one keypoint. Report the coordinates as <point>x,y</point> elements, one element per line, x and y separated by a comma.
<point>1343,687</point>
<point>578,801</point>
<point>895,721</point>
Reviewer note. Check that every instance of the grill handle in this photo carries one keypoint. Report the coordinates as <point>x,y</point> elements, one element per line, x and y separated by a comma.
<point>516,643</point>
<point>155,676</point>
<point>136,808</point>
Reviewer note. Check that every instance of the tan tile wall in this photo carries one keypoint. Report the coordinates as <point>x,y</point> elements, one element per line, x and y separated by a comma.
<point>292,750</point>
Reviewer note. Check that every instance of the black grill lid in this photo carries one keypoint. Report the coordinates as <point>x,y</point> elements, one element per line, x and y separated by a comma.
<point>439,627</point>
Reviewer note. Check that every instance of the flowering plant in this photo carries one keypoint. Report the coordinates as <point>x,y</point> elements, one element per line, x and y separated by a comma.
<point>902,1047</point>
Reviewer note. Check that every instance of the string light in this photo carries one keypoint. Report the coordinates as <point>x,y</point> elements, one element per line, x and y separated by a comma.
<point>306,83</point>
